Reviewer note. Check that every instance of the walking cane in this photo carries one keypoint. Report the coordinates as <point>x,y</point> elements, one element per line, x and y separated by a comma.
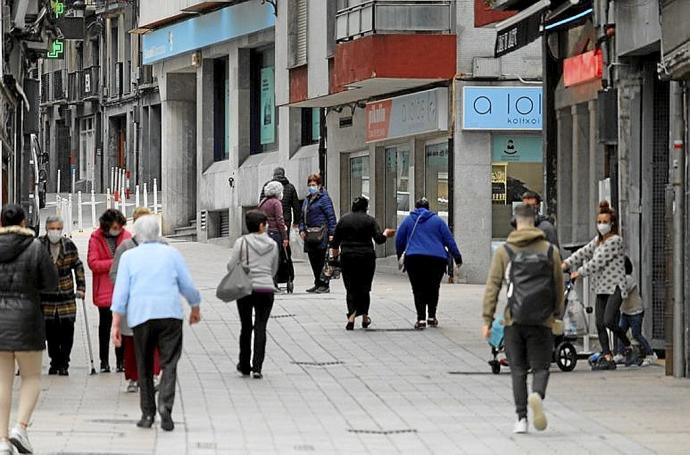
<point>88,337</point>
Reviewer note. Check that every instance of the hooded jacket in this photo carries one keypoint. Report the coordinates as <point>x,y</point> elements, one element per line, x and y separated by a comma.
<point>26,269</point>
<point>533,240</point>
<point>100,260</point>
<point>260,253</point>
<point>292,208</point>
<point>431,237</point>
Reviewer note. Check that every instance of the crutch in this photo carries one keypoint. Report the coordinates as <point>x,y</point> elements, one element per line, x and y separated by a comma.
<point>88,337</point>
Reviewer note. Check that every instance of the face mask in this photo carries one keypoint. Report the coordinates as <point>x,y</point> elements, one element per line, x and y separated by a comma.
<point>312,189</point>
<point>114,232</point>
<point>603,228</point>
<point>54,235</point>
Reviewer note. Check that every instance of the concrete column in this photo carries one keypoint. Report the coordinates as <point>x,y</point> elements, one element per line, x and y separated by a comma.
<point>565,189</point>
<point>204,125</point>
<point>580,173</point>
<point>596,164</point>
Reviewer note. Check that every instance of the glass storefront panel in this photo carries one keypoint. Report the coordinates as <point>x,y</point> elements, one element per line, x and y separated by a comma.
<point>359,178</point>
<point>398,188</point>
<point>436,177</point>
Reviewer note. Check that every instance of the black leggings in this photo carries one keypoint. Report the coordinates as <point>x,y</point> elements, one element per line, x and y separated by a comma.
<point>358,274</point>
<point>425,274</point>
<point>608,317</point>
<point>105,321</point>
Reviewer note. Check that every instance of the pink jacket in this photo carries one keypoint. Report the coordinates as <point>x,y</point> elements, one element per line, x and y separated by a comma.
<point>100,258</point>
<point>273,209</point>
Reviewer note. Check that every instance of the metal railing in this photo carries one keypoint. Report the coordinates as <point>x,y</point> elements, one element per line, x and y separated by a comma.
<point>393,16</point>
<point>58,85</point>
<point>74,92</point>
<point>90,82</point>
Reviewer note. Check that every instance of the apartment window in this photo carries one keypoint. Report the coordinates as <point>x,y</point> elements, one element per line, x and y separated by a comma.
<point>311,125</point>
<point>264,114</point>
<point>298,30</point>
<point>221,110</point>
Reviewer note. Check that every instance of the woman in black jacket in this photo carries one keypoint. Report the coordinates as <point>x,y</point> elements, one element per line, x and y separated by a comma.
<point>354,236</point>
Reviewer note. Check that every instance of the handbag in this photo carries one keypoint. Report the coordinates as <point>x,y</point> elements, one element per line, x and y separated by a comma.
<point>401,260</point>
<point>313,235</point>
<point>236,283</point>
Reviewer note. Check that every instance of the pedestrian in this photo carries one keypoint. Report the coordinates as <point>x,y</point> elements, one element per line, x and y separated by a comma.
<point>150,279</point>
<point>60,307</point>
<point>292,214</point>
<point>273,208</point>
<point>260,254</point>
<point>316,229</point>
<point>541,222</point>
<point>102,245</point>
<point>632,315</point>
<point>26,270</point>
<point>603,259</point>
<point>354,236</point>
<point>130,359</point>
<point>425,241</point>
<point>531,266</point>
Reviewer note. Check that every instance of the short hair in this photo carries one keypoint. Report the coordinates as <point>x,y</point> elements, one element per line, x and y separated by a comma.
<point>54,219</point>
<point>12,215</point>
<point>274,189</point>
<point>254,219</point>
<point>279,172</point>
<point>524,214</point>
<point>316,178</point>
<point>147,228</point>
<point>360,204</point>
<point>111,216</point>
<point>141,211</point>
<point>531,195</point>
<point>423,203</point>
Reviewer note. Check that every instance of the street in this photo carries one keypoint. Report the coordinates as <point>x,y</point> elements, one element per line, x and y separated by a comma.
<point>389,389</point>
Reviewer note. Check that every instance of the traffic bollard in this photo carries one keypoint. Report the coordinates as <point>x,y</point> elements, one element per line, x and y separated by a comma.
<point>93,209</point>
<point>80,214</point>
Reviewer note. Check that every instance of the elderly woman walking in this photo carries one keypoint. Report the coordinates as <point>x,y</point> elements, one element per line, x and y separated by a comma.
<point>150,279</point>
<point>60,307</point>
<point>25,270</point>
<point>102,245</point>
<point>272,206</point>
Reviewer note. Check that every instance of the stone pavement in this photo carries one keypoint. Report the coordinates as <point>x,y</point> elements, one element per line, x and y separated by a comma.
<point>386,390</point>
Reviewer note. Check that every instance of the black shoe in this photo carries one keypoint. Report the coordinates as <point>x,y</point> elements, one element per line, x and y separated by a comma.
<point>604,364</point>
<point>243,371</point>
<point>63,372</point>
<point>420,325</point>
<point>53,371</point>
<point>432,322</point>
<point>290,287</point>
<point>120,368</point>
<point>350,325</point>
<point>257,375</point>
<point>145,422</point>
<point>312,289</point>
<point>105,368</point>
<point>167,423</point>
<point>366,322</point>
<point>322,290</point>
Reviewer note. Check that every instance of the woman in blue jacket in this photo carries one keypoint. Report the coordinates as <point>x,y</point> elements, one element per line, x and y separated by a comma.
<point>316,229</point>
<point>426,241</point>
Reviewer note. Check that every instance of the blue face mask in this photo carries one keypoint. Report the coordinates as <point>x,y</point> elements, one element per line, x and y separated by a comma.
<point>312,189</point>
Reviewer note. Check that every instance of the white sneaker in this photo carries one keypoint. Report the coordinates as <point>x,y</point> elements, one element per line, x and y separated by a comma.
<point>132,387</point>
<point>537,407</point>
<point>649,360</point>
<point>6,448</point>
<point>619,359</point>
<point>20,439</point>
<point>520,426</point>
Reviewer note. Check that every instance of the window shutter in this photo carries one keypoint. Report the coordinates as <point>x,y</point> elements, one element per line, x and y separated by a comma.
<point>301,35</point>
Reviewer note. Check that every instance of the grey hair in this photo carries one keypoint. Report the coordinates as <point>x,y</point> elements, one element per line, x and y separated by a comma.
<point>147,228</point>
<point>274,189</point>
<point>54,219</point>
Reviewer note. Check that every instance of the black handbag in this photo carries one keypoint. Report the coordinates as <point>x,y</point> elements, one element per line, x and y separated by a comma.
<point>313,236</point>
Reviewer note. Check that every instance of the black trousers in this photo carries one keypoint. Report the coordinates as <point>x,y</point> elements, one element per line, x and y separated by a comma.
<point>105,322</point>
<point>528,347</point>
<point>358,274</point>
<point>317,259</point>
<point>166,334</point>
<point>425,274</point>
<point>260,304</point>
<point>60,338</point>
<point>608,317</point>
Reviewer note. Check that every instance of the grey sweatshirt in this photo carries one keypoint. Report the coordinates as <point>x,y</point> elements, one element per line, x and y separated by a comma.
<point>261,253</point>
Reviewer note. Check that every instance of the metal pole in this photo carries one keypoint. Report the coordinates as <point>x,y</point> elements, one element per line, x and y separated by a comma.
<point>108,199</point>
<point>112,177</point>
<point>93,208</point>
<point>80,212</point>
<point>136,196</point>
<point>70,215</point>
<point>155,196</point>
<point>146,196</point>
<point>57,188</point>
<point>74,180</point>
<point>123,205</point>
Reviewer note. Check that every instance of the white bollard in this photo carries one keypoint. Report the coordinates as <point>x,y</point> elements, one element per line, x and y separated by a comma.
<point>74,180</point>
<point>123,205</point>
<point>136,196</point>
<point>57,189</point>
<point>70,215</point>
<point>146,196</point>
<point>80,212</point>
<point>112,177</point>
<point>58,205</point>
<point>93,209</point>
<point>108,199</point>
<point>155,196</point>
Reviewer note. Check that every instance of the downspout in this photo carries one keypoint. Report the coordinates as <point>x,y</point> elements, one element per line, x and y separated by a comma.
<point>451,173</point>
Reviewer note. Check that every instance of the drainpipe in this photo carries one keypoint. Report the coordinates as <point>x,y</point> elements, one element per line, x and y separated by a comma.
<point>451,173</point>
<point>322,145</point>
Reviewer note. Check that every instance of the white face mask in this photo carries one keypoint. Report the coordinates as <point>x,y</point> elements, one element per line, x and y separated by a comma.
<point>604,228</point>
<point>54,235</point>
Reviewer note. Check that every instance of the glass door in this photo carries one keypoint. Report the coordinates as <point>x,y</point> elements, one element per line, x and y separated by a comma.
<point>436,177</point>
<point>398,189</point>
<point>359,179</point>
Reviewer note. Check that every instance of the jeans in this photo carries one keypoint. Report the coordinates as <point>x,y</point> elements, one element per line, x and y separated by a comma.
<point>60,338</point>
<point>358,274</point>
<point>167,335</point>
<point>317,259</point>
<point>260,304</point>
<point>105,321</point>
<point>425,274</point>
<point>528,347</point>
<point>634,323</point>
<point>608,317</point>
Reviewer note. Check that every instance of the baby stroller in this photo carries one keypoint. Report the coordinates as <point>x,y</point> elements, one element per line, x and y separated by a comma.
<point>564,355</point>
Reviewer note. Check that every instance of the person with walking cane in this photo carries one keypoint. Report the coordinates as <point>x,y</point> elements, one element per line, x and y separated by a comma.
<point>60,306</point>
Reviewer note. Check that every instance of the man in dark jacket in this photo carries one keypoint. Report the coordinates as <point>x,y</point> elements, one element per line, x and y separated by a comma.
<point>292,209</point>
<point>541,222</point>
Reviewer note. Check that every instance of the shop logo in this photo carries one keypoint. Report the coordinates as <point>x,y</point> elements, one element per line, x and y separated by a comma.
<point>510,148</point>
<point>502,108</point>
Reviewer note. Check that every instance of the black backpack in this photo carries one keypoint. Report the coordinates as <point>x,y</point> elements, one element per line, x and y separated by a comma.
<point>531,287</point>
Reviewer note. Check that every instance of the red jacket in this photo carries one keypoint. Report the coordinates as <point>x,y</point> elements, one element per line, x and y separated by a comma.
<point>100,259</point>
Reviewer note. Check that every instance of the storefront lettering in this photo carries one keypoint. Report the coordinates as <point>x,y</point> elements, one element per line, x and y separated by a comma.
<point>502,108</point>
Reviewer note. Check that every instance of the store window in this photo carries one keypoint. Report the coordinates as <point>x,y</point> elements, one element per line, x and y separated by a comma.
<point>436,177</point>
<point>516,167</point>
<point>359,177</point>
<point>264,113</point>
<point>311,125</point>
<point>221,110</point>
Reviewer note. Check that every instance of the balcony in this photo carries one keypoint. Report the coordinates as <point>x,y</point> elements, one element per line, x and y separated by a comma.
<point>74,92</point>
<point>58,86</point>
<point>89,84</point>
<point>393,16</point>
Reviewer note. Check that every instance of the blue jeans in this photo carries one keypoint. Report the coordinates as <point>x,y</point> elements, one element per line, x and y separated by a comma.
<point>634,323</point>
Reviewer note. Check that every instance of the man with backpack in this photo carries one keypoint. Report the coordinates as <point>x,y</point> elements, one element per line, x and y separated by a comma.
<point>531,267</point>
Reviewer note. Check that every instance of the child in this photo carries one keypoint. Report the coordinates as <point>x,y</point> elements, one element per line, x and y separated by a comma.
<point>632,314</point>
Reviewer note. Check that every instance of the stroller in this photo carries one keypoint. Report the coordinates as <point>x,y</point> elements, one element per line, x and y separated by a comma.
<point>564,355</point>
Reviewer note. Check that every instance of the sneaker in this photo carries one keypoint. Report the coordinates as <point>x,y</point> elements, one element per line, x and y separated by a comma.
<point>132,387</point>
<point>105,368</point>
<point>243,371</point>
<point>257,375</point>
<point>120,368</point>
<point>322,290</point>
<point>632,358</point>
<point>651,359</point>
<point>432,322</point>
<point>145,421</point>
<point>5,448</point>
<point>420,325</point>
<point>619,359</point>
<point>312,289</point>
<point>156,383</point>
<point>536,405</point>
<point>520,426</point>
<point>604,364</point>
<point>20,440</point>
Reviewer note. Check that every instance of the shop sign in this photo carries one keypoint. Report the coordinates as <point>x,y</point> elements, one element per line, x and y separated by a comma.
<point>407,115</point>
<point>517,148</point>
<point>268,111</point>
<point>499,183</point>
<point>519,30</point>
<point>586,67</point>
<point>502,108</point>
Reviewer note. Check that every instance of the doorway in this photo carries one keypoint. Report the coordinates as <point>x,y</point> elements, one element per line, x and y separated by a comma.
<point>398,185</point>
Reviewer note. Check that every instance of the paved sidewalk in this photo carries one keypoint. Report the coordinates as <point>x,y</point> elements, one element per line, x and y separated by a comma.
<point>325,390</point>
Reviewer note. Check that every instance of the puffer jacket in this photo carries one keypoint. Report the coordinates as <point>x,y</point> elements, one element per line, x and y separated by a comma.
<point>317,211</point>
<point>100,260</point>
<point>26,269</point>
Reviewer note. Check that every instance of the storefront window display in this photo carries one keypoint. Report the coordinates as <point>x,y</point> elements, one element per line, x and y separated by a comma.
<point>436,177</point>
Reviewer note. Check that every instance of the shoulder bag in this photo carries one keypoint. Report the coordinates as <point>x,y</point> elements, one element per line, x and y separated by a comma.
<point>401,261</point>
<point>314,236</point>
<point>236,283</point>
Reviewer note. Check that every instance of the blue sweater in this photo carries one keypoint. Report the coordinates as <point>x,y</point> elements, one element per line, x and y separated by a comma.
<point>431,237</point>
<point>150,279</point>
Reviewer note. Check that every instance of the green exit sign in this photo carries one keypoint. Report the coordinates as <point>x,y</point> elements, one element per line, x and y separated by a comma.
<point>56,50</point>
<point>58,8</point>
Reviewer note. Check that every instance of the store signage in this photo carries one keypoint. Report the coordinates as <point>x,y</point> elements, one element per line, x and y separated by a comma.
<point>517,148</point>
<point>268,111</point>
<point>502,108</point>
<point>519,30</point>
<point>582,68</point>
<point>407,115</point>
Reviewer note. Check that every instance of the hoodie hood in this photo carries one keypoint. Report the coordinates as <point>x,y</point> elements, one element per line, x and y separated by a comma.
<point>260,244</point>
<point>13,241</point>
<point>423,215</point>
<point>523,237</point>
